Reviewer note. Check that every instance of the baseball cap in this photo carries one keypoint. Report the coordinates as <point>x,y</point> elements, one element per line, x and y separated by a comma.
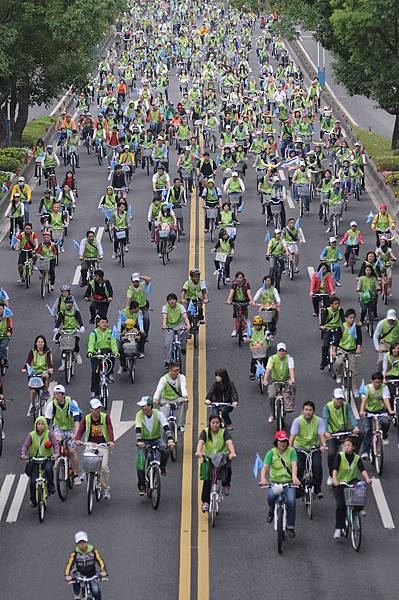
<point>339,393</point>
<point>353,223</point>
<point>281,346</point>
<point>81,536</point>
<point>391,314</point>
<point>95,403</point>
<point>277,231</point>
<point>234,174</point>
<point>59,388</point>
<point>135,277</point>
<point>145,401</point>
<point>332,239</point>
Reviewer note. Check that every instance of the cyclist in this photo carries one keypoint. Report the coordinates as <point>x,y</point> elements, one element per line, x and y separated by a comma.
<point>332,255</point>
<point>150,424</point>
<point>269,300</point>
<point>65,415</point>
<point>101,341</point>
<point>131,320</point>
<point>347,467</point>
<point>194,290</point>
<point>72,144</point>
<point>160,180</point>
<point>48,249</point>
<point>23,189</point>
<point>367,288</point>
<point>321,282</point>
<point>90,249</point>
<point>15,212</point>
<point>234,185</point>
<point>211,196</point>
<point>50,161</point>
<point>121,223</point>
<point>386,257</point>
<point>139,290</point>
<point>214,439</point>
<point>225,245</point>
<point>331,323</point>
<point>370,261</point>
<point>177,197</point>
<point>375,399</point>
<point>258,336</point>
<point>26,241</point>
<point>302,177</point>
<point>167,217</point>
<point>172,387</point>
<point>352,239</point>
<point>240,292</point>
<point>382,223</point>
<point>99,293</point>
<point>39,363</point>
<point>280,466</point>
<point>348,342</point>
<point>307,431</point>
<point>390,368</point>
<point>292,237</point>
<point>223,390</point>
<point>59,304</point>
<point>276,252</point>
<point>6,330</point>
<point>85,561</point>
<point>174,318</point>
<point>279,367</point>
<point>69,320</point>
<point>96,428</point>
<point>40,443</point>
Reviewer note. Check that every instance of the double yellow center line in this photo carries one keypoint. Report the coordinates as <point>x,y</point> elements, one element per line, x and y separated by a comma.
<point>185,574</point>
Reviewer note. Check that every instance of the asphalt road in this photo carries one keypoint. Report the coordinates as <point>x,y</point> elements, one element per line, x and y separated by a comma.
<point>171,551</point>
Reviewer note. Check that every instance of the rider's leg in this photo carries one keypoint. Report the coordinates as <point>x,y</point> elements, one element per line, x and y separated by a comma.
<point>317,472</point>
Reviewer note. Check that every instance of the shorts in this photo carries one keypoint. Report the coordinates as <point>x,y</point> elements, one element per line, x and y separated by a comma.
<point>67,434</point>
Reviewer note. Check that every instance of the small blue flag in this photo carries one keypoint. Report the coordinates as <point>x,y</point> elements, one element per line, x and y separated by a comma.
<point>370,217</point>
<point>191,308</point>
<point>76,246</point>
<point>59,243</point>
<point>362,389</point>
<point>260,369</point>
<point>3,294</point>
<point>107,213</point>
<point>298,223</point>
<point>122,316</point>
<point>7,312</point>
<point>257,465</point>
<point>267,236</point>
<point>29,369</point>
<point>14,241</point>
<point>148,289</point>
<point>249,330</point>
<point>129,211</point>
<point>352,330</point>
<point>4,188</point>
<point>378,263</point>
<point>115,333</point>
<point>320,274</point>
<point>50,310</point>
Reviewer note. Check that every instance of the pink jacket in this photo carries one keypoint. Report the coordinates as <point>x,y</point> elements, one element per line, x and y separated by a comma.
<point>315,284</point>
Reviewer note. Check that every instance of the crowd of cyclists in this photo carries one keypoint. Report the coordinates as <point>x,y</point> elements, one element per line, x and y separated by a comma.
<point>229,125</point>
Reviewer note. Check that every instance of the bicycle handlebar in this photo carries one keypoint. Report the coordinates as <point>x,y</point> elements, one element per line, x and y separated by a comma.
<point>340,434</point>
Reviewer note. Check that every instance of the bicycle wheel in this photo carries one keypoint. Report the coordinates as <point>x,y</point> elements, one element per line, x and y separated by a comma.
<point>279,415</point>
<point>40,503</point>
<point>240,333</point>
<point>173,451</point>
<point>156,488</point>
<point>132,369</point>
<point>356,530</point>
<point>163,252</point>
<point>68,367</point>
<point>42,286</point>
<point>309,498</point>
<point>100,155</point>
<point>370,319</point>
<point>104,395</point>
<point>27,276</point>
<point>260,382</point>
<point>301,207</point>
<point>211,227</point>
<point>291,269</point>
<point>194,331</point>
<point>213,508</point>
<point>147,160</point>
<point>378,452</point>
<point>335,225</point>
<point>331,365</point>
<point>1,435</point>
<point>219,279</point>
<point>61,481</point>
<point>280,532</point>
<point>90,492</point>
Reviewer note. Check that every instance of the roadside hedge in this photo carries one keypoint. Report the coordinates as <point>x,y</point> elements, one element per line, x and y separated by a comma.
<point>36,129</point>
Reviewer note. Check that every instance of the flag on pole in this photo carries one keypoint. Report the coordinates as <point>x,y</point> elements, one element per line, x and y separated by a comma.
<point>7,312</point>
<point>115,333</point>
<point>257,465</point>
<point>50,310</point>
<point>298,223</point>
<point>260,369</point>
<point>362,388</point>
<point>267,236</point>
<point>352,330</point>
<point>129,211</point>
<point>122,316</point>
<point>191,308</point>
<point>29,369</point>
<point>370,217</point>
<point>14,241</point>
<point>4,188</point>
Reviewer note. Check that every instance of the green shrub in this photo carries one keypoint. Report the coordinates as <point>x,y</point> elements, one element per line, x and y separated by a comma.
<point>379,149</point>
<point>36,129</point>
<point>10,164</point>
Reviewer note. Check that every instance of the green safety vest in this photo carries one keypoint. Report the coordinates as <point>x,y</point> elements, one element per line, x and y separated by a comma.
<point>331,254</point>
<point>392,366</point>
<point>166,219</point>
<point>291,235</point>
<point>37,448</point>
<point>382,222</point>
<point>258,336</point>
<point>216,444</point>
<point>268,295</point>
<point>347,472</point>
<point>193,291</point>
<point>277,248</point>
<point>120,220</point>
<point>277,471</point>
<point>335,196</point>
<point>279,368</point>
<point>368,288</point>
<point>134,316</point>
<point>176,196</point>
<point>137,294</point>
<point>353,237</point>
<point>70,322</point>
<point>308,435</point>
<point>99,340</point>
<point>16,211</point>
<point>374,399</point>
<point>173,315</point>
<point>103,426</point>
<point>110,201</point>
<point>183,132</point>
<point>338,418</point>
<point>170,392</point>
<point>326,185</point>
<point>266,186</point>
<point>90,250</point>
<point>155,432</point>
<point>56,221</point>
<point>233,185</point>
<point>62,415</point>
<point>160,182</point>
<point>212,199</point>
<point>393,336</point>
<point>348,341</point>
<point>224,246</point>
<point>39,362</point>
<point>226,218</point>
<point>301,177</point>
<point>333,319</point>
<point>47,251</point>
<point>3,327</point>
<point>26,240</point>
<point>187,163</point>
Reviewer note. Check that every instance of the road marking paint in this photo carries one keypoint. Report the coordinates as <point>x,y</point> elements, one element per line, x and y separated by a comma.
<point>18,498</point>
<point>382,504</point>
<point>120,427</point>
<point>310,271</point>
<point>290,201</point>
<point>100,233</point>
<point>187,468</point>
<point>203,528</point>
<point>5,491</point>
<point>76,277</point>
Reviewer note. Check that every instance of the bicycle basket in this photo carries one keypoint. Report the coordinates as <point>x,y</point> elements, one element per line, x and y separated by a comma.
<point>355,496</point>
<point>212,213</point>
<point>221,257</point>
<point>186,173</point>
<point>259,352</point>
<point>275,208</point>
<point>231,231</point>
<point>43,264</point>
<point>146,151</point>
<point>57,234</point>
<point>234,198</point>
<point>67,341</point>
<point>218,460</point>
<point>35,383</point>
<point>130,348</point>
<point>268,316</point>
<point>336,209</point>
<point>163,233</point>
<point>91,462</point>
<point>120,234</point>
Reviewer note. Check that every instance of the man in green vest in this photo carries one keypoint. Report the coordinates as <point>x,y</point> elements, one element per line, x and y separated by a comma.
<point>307,431</point>
<point>349,343</point>
<point>174,318</point>
<point>280,367</point>
<point>276,252</point>
<point>194,291</point>
<point>375,399</point>
<point>65,415</point>
<point>101,341</point>
<point>90,249</point>
<point>347,468</point>
<point>96,428</point>
<point>40,443</point>
<point>172,388</point>
<point>150,424</point>
<point>69,320</point>
<point>332,255</point>
<point>139,291</point>
<point>331,325</point>
<point>386,333</point>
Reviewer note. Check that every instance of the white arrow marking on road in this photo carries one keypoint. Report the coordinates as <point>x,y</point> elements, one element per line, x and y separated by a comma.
<point>382,504</point>
<point>5,491</point>
<point>120,427</point>
<point>18,498</point>
<point>290,201</point>
<point>100,233</point>
<point>310,271</point>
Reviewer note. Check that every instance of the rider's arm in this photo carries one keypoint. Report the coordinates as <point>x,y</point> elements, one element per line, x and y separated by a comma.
<point>158,392</point>
<point>294,431</point>
<point>91,343</point>
<point>99,248</point>
<point>376,335</point>
<point>99,560</point>
<point>183,385</point>
<point>70,564</point>
<point>25,446</point>
<point>82,246</point>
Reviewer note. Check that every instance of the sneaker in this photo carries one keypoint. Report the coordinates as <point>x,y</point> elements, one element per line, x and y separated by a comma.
<point>181,429</point>
<point>127,248</point>
<point>338,379</point>
<point>33,505</point>
<point>215,272</point>
<point>34,268</point>
<point>252,376</point>
<point>141,492</point>
<point>120,371</point>
<point>160,255</point>
<point>62,249</point>
<point>226,490</point>
<point>3,435</point>
<point>365,456</point>
<point>113,255</point>
<point>291,533</point>
<point>233,333</point>
<point>322,367</point>
<point>62,366</point>
<point>141,354</point>
<point>21,280</point>
<point>337,534</point>
<point>270,419</point>
<point>77,480</point>
<point>270,517</point>
<point>385,442</point>
<point>107,495</point>
<point>78,358</point>
<point>111,378</point>
<point>205,507</point>
<point>51,288</point>
<point>319,496</point>
<point>163,472</point>
<point>328,230</point>
<point>315,314</point>
<point>338,284</point>
<point>329,481</point>
<point>296,270</point>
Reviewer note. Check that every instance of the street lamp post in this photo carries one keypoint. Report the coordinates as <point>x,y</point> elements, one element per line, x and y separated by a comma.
<point>8,123</point>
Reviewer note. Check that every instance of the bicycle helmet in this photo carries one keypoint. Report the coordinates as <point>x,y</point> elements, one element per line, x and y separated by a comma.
<point>129,324</point>
<point>69,300</point>
<point>281,436</point>
<point>65,287</point>
<point>257,320</point>
<point>195,272</point>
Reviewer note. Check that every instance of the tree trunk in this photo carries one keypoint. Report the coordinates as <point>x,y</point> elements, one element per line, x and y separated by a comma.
<point>395,134</point>
<point>19,124</point>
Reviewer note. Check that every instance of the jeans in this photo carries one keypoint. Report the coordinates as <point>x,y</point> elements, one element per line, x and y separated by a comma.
<point>146,320</point>
<point>142,454</point>
<point>339,366</point>
<point>272,260</point>
<point>49,472</point>
<point>98,308</point>
<point>290,494</point>
<point>225,410</point>
<point>4,347</point>
<point>317,468</point>
<point>367,423</point>
<point>181,411</point>
<point>336,271</point>
<point>94,586</point>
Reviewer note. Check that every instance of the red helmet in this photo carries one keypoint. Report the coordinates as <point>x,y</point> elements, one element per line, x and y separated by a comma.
<point>281,436</point>
<point>383,206</point>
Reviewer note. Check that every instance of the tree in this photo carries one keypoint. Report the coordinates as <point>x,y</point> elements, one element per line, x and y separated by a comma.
<point>363,36</point>
<point>46,46</point>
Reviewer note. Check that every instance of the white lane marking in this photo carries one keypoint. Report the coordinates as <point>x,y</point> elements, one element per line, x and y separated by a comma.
<point>18,498</point>
<point>342,107</point>
<point>310,271</point>
<point>100,233</point>
<point>290,201</point>
<point>382,504</point>
<point>120,427</point>
<point>5,491</point>
<point>76,277</point>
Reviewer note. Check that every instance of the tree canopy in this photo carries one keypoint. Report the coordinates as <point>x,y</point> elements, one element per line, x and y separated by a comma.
<point>46,46</point>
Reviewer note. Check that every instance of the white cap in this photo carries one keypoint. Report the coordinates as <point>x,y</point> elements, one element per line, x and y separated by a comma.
<point>277,231</point>
<point>339,393</point>
<point>353,223</point>
<point>135,276</point>
<point>95,403</point>
<point>234,174</point>
<point>391,314</point>
<point>81,536</point>
<point>281,346</point>
<point>332,239</point>
<point>59,388</point>
<point>145,401</point>
<point>21,179</point>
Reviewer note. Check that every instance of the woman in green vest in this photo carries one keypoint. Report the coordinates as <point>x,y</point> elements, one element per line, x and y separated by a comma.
<point>39,362</point>
<point>367,290</point>
<point>280,466</point>
<point>215,440</point>
<point>268,299</point>
<point>174,318</point>
<point>120,221</point>
<point>224,245</point>
<point>259,343</point>
<point>347,468</point>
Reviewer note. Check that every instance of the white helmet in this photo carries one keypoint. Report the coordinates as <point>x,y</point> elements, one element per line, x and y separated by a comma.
<point>81,536</point>
<point>59,388</point>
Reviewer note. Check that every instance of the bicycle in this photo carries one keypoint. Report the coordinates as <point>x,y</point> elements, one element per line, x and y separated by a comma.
<point>352,259</point>
<point>307,479</point>
<point>276,270</point>
<point>368,320</point>
<point>2,409</point>
<point>241,320</point>
<point>216,463</point>
<point>186,175</point>
<point>377,446</point>
<point>290,265</point>
<point>233,198</point>
<point>259,353</point>
<point>92,265</point>
<point>121,237</point>
<point>100,153</point>
<point>212,215</point>
<point>43,266</point>
<point>176,354</point>
<point>152,470</point>
<point>85,587</point>
<point>395,399</point>
<point>324,303</point>
<point>172,422</point>
<point>91,465</point>
<point>104,366</point>
<point>384,286</point>
<point>194,320</point>
<point>63,472</point>
<point>279,408</point>
<point>39,168</point>
<point>27,268</point>
<point>36,387</point>
<point>331,352</point>
<point>178,210</point>
<point>280,512</point>
<point>335,210</point>
<point>129,342</point>
<point>146,158</point>
<point>51,180</point>
<point>217,410</point>
<point>355,500</point>
<point>67,348</point>
<point>357,187</point>
<point>41,491</point>
<point>303,192</point>
<point>221,258</point>
<point>164,242</point>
